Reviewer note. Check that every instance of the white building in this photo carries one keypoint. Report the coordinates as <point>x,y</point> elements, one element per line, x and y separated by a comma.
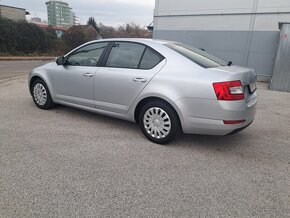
<point>60,14</point>
<point>243,31</point>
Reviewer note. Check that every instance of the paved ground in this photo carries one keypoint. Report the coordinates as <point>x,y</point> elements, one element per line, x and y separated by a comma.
<point>70,163</point>
<point>17,68</point>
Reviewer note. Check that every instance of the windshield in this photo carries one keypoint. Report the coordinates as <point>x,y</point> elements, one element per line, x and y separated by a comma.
<point>196,55</point>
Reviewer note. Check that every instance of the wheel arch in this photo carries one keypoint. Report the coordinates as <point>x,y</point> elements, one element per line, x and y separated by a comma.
<point>142,102</point>
<point>32,81</point>
<point>35,77</point>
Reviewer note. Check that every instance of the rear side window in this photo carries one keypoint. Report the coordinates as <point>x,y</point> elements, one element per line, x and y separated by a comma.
<point>150,59</point>
<point>125,55</point>
<point>198,56</point>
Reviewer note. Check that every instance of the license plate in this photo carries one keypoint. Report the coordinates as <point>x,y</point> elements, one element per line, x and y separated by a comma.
<point>253,87</point>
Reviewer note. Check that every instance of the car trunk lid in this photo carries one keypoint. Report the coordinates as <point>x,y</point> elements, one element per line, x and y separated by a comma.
<point>247,77</point>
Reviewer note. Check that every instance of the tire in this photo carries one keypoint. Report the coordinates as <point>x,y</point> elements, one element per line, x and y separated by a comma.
<point>41,95</point>
<point>159,122</point>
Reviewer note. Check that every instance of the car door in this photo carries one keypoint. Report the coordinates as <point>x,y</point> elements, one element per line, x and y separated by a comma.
<point>128,69</point>
<point>74,81</point>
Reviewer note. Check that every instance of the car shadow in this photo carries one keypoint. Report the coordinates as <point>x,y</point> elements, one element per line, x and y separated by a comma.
<point>217,143</point>
<point>95,117</point>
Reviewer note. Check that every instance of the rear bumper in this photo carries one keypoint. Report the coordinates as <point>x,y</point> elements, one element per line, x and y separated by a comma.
<point>240,129</point>
<point>204,116</point>
<point>212,127</point>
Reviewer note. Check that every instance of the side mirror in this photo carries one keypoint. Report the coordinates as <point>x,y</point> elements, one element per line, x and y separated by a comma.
<point>60,60</point>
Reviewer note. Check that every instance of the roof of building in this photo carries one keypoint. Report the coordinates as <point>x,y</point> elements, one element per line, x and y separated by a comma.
<point>57,1</point>
<point>8,6</point>
<point>11,7</point>
<point>46,26</point>
<point>280,24</point>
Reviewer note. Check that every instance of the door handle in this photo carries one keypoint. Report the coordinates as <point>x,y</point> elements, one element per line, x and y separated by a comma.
<point>139,80</point>
<point>88,75</point>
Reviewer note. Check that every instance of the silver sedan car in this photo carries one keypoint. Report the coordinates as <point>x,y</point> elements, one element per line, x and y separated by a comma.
<point>165,87</point>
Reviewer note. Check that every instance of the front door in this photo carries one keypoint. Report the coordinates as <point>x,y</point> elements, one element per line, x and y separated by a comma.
<point>74,81</point>
<point>75,84</point>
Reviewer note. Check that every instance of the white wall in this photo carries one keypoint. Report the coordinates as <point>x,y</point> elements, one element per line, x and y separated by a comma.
<point>244,31</point>
<point>197,14</point>
<point>202,6</point>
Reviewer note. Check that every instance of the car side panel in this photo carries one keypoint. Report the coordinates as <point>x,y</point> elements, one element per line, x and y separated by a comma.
<point>70,84</point>
<point>188,88</point>
<point>45,73</point>
<point>115,89</point>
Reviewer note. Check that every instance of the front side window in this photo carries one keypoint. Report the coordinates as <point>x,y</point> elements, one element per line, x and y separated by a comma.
<point>198,56</point>
<point>125,55</point>
<point>88,55</point>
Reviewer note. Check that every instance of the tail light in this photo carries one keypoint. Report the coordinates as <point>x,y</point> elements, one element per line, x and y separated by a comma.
<point>229,91</point>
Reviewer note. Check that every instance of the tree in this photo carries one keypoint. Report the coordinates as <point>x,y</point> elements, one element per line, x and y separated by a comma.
<point>21,37</point>
<point>30,38</point>
<point>132,30</point>
<point>50,35</point>
<point>128,30</point>
<point>93,23</point>
<point>8,35</point>
<point>55,45</point>
<point>76,36</point>
<point>107,31</point>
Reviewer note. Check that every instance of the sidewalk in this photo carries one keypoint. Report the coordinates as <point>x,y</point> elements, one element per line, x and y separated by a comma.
<point>26,58</point>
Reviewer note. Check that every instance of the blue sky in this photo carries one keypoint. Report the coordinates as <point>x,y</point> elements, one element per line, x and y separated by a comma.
<point>108,12</point>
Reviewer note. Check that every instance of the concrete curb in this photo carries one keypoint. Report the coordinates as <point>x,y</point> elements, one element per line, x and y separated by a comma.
<point>25,58</point>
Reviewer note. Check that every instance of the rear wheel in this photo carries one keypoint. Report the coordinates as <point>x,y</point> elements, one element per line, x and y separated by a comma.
<point>159,122</point>
<point>41,95</point>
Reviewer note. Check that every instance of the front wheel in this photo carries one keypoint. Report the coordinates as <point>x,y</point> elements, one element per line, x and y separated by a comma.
<point>41,95</point>
<point>159,122</point>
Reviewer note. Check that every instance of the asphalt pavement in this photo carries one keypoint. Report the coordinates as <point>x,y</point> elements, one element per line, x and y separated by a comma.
<point>10,69</point>
<point>70,163</point>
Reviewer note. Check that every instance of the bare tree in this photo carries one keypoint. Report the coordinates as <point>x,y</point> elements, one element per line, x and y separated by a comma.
<point>107,31</point>
<point>133,30</point>
<point>128,30</point>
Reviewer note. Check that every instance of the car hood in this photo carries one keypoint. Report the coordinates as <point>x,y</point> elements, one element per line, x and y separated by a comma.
<point>48,65</point>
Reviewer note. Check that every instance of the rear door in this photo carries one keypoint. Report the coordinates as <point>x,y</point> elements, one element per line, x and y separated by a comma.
<point>127,70</point>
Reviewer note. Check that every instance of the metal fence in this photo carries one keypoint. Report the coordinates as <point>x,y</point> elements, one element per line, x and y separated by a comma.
<point>281,75</point>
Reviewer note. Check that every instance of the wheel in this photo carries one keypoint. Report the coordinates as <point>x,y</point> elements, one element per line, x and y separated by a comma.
<point>41,95</point>
<point>159,122</point>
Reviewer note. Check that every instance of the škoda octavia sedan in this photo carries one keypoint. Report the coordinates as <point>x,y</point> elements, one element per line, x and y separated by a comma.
<point>165,87</point>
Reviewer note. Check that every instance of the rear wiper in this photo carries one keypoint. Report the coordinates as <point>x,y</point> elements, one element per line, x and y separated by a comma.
<point>230,63</point>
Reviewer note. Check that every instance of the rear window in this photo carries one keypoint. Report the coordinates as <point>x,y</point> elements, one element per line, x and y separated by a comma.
<point>196,55</point>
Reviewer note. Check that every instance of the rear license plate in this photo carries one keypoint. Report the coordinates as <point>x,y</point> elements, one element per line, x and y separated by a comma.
<point>252,87</point>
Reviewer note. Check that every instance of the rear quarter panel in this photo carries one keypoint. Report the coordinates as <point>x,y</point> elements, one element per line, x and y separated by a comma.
<point>189,89</point>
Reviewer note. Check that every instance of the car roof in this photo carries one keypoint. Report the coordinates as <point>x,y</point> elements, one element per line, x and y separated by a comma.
<point>158,45</point>
<point>140,40</point>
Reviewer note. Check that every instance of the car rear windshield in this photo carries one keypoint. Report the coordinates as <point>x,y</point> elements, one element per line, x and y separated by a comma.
<point>196,55</point>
